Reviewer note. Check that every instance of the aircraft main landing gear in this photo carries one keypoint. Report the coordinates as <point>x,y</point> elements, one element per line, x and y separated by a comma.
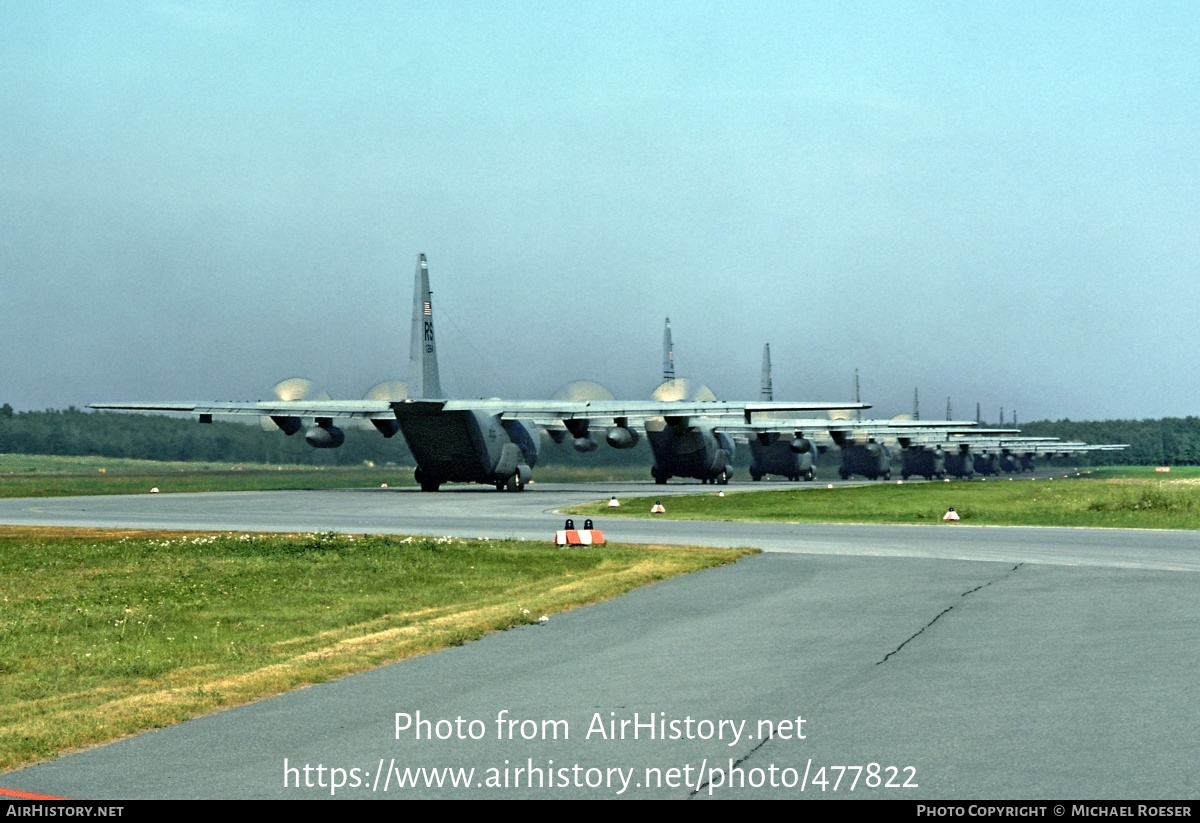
<point>427,484</point>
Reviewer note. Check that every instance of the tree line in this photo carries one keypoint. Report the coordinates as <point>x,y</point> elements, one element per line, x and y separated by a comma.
<point>78,432</point>
<point>1171,441</point>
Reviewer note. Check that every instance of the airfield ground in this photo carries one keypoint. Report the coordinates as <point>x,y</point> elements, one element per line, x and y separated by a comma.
<point>1109,607</point>
<point>1104,498</point>
<point>107,633</point>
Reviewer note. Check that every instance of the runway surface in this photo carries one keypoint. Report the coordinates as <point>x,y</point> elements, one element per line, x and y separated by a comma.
<point>964,663</point>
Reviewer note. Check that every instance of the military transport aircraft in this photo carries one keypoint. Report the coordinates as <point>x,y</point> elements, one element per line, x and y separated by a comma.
<point>772,452</point>
<point>949,452</point>
<point>788,447</point>
<point>489,441</point>
<point>703,451</point>
<point>992,451</point>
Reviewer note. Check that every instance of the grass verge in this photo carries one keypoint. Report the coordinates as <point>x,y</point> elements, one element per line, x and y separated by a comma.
<point>106,633</point>
<point>1117,498</point>
<point>52,476</point>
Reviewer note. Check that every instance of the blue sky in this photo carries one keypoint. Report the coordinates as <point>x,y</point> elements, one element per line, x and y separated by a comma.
<point>993,202</point>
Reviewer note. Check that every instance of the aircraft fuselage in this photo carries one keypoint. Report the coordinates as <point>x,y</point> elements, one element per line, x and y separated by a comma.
<point>922,461</point>
<point>698,451</point>
<point>871,460</point>
<point>986,463</point>
<point>778,456</point>
<point>469,447</point>
<point>960,464</point>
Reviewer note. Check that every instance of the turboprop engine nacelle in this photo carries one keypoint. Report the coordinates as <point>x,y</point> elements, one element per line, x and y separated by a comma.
<point>387,428</point>
<point>621,437</point>
<point>324,436</point>
<point>288,425</point>
<point>800,445</point>
<point>579,430</point>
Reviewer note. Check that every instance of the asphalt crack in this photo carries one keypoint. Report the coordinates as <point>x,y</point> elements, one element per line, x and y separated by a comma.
<point>941,614</point>
<point>700,789</point>
<point>696,791</point>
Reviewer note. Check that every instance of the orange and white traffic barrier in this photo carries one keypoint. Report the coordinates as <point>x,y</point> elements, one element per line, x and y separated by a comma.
<point>571,536</point>
<point>579,537</point>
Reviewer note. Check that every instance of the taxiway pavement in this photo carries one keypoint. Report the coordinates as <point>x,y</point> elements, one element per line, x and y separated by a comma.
<point>975,663</point>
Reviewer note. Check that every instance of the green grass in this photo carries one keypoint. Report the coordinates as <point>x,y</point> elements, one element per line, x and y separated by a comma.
<point>1124,498</point>
<point>48,476</point>
<point>103,634</point>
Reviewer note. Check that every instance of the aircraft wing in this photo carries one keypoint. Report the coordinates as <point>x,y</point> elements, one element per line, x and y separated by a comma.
<point>548,412</point>
<point>552,411</point>
<point>1040,444</point>
<point>861,428</point>
<point>367,409</point>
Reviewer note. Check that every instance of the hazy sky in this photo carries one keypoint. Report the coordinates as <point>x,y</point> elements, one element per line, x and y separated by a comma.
<point>996,202</point>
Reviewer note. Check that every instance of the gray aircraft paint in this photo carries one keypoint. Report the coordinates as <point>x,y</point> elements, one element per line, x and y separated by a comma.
<point>668,353</point>
<point>773,453</point>
<point>423,380</point>
<point>496,441</point>
<point>695,450</point>
<point>925,461</point>
<point>872,460</point>
<point>467,446</point>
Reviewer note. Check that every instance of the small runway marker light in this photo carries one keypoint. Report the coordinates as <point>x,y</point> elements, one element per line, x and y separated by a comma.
<point>613,502</point>
<point>951,515</point>
<point>657,508</point>
<point>720,494</point>
<point>154,490</point>
<point>383,485</point>
<point>829,485</point>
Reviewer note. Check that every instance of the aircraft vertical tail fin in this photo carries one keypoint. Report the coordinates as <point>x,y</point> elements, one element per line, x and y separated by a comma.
<point>768,389</point>
<point>423,380</point>
<point>668,353</point>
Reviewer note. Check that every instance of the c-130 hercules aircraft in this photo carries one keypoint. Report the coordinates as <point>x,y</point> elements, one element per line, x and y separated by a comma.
<point>788,448</point>
<point>489,441</point>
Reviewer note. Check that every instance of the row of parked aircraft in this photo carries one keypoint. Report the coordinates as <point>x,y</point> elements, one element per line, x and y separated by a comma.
<point>933,449</point>
<point>691,434</point>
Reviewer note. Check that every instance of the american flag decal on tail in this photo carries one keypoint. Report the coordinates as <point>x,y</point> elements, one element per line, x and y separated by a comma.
<point>428,309</point>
